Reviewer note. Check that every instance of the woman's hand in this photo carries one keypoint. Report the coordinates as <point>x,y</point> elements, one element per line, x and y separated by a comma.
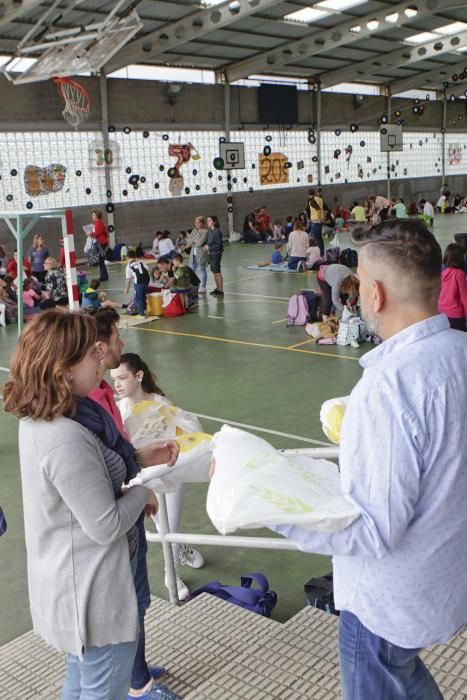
<point>206,248</point>
<point>152,504</point>
<point>162,452</point>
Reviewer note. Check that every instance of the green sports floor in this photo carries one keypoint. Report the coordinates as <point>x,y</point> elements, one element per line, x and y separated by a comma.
<point>232,360</point>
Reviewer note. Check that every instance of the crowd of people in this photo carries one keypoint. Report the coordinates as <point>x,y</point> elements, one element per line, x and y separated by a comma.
<point>84,527</point>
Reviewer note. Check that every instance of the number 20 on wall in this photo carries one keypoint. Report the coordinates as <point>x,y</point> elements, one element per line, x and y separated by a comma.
<point>273,169</point>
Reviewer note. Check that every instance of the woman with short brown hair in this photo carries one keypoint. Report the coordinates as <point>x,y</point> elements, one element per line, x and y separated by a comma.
<point>79,525</point>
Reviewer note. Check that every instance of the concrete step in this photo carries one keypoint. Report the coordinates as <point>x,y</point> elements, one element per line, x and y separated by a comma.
<point>217,651</point>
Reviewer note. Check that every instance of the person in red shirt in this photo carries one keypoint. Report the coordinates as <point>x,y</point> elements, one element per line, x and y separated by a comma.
<point>264,221</point>
<point>101,235</point>
<point>12,267</point>
<point>452,299</point>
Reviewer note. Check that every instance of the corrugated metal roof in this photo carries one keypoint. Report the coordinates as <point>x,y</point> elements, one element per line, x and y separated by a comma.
<point>242,45</point>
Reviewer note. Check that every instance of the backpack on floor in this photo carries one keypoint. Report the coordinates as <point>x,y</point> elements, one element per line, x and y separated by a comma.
<point>319,593</point>
<point>261,601</point>
<point>297,311</point>
<point>314,303</point>
<point>349,257</point>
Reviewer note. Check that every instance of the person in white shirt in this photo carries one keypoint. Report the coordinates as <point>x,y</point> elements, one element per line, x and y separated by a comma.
<point>137,272</point>
<point>298,245</point>
<point>166,246</point>
<point>136,386</point>
<point>400,569</point>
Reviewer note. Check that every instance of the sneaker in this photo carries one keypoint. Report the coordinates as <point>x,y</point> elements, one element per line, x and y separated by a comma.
<point>214,292</point>
<point>182,588</point>
<point>191,557</point>
<point>157,692</point>
<point>156,671</point>
<point>301,266</point>
<point>202,290</point>
<point>217,293</point>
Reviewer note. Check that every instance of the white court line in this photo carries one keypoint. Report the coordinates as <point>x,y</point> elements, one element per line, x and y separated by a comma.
<point>264,430</point>
<point>221,317</point>
<point>4,369</point>
<point>259,296</point>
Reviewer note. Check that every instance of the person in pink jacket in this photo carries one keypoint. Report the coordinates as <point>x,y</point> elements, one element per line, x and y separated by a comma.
<point>453,295</point>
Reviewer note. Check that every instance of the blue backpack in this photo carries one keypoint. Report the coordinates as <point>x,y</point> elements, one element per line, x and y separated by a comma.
<point>261,601</point>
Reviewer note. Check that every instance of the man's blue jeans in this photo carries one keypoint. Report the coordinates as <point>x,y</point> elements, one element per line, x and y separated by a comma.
<point>373,669</point>
<point>140,298</point>
<point>317,234</point>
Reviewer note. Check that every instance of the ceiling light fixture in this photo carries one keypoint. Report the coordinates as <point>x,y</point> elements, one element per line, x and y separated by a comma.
<point>392,18</point>
<point>411,11</point>
<point>372,25</point>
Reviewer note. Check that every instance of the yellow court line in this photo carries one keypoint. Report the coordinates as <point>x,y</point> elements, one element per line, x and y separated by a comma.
<point>297,345</point>
<point>242,342</point>
<point>281,320</point>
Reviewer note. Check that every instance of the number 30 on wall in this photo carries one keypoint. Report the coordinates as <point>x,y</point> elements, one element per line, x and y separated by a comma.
<point>273,169</point>
<point>102,156</point>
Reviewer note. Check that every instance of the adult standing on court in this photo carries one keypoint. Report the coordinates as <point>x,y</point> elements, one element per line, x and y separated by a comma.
<point>315,213</point>
<point>198,256</point>
<point>80,529</point>
<point>37,255</point>
<point>379,208</point>
<point>100,235</point>
<point>215,248</point>
<point>403,465</point>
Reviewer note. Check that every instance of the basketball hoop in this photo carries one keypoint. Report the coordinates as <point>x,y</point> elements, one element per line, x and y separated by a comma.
<point>77,100</point>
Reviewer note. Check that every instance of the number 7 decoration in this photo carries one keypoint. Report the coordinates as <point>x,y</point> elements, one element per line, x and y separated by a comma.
<point>183,152</point>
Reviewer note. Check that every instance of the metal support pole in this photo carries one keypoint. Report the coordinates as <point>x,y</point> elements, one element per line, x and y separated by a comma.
<point>443,139</point>
<point>318,131</point>
<point>105,138</point>
<point>19,274</point>
<point>230,216</point>
<point>388,154</point>
<point>164,531</point>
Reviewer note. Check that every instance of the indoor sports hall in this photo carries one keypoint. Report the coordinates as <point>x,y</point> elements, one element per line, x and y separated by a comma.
<point>160,114</point>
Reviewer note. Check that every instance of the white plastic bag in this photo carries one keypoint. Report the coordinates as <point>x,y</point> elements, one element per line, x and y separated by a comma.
<point>88,245</point>
<point>192,465</point>
<point>331,416</point>
<point>159,420</point>
<point>254,485</point>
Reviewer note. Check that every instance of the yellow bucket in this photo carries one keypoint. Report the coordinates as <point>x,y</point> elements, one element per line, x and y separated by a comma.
<point>154,304</point>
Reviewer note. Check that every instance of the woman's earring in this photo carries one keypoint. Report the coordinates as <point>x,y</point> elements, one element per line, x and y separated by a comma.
<point>69,377</point>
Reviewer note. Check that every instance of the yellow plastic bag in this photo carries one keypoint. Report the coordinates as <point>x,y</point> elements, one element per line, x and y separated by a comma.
<point>331,416</point>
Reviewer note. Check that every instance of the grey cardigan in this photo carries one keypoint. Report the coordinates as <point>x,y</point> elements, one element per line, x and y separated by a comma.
<point>198,239</point>
<point>334,275</point>
<point>81,589</point>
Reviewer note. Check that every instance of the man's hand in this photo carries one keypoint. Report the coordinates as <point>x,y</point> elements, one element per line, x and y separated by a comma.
<point>162,452</point>
<point>152,504</point>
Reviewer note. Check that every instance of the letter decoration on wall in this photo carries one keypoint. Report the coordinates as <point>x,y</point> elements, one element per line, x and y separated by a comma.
<point>39,181</point>
<point>102,155</point>
<point>273,169</point>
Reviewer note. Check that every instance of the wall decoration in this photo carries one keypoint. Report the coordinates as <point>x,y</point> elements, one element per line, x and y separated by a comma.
<point>273,169</point>
<point>182,152</point>
<point>348,153</point>
<point>360,172</point>
<point>454,154</point>
<point>102,155</point>
<point>176,186</point>
<point>39,181</point>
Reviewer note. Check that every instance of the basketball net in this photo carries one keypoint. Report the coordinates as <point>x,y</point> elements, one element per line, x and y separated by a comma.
<point>77,100</point>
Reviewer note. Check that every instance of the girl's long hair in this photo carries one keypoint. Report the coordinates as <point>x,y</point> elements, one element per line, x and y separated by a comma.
<point>136,364</point>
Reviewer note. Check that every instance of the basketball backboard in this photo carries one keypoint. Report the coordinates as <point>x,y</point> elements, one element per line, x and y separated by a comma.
<point>391,137</point>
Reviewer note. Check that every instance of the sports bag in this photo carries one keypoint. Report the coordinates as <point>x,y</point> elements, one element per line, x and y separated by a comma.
<point>319,593</point>
<point>94,253</point>
<point>350,331</point>
<point>314,303</point>
<point>261,601</point>
<point>297,311</point>
<point>172,304</point>
<point>140,271</point>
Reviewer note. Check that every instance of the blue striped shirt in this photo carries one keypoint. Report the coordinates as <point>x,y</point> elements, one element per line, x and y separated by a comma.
<point>401,567</point>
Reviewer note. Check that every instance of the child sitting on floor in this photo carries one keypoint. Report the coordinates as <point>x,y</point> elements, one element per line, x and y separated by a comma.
<point>276,257</point>
<point>313,260</point>
<point>94,300</point>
